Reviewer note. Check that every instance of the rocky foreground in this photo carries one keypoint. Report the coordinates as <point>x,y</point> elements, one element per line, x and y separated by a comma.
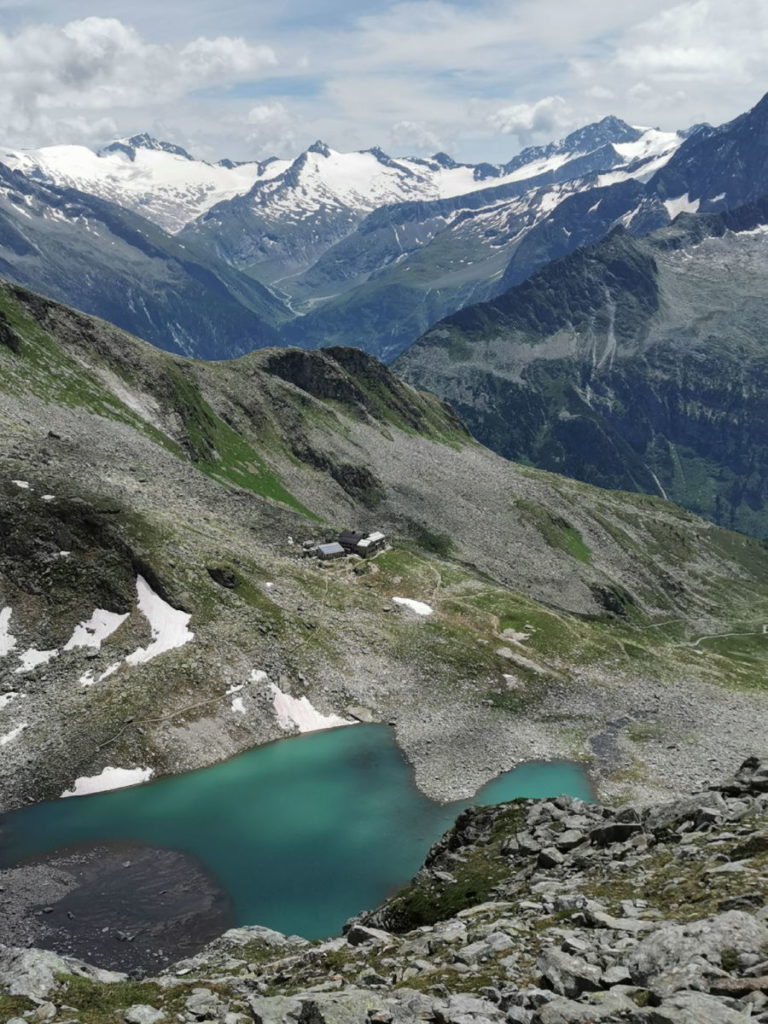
<point>532,912</point>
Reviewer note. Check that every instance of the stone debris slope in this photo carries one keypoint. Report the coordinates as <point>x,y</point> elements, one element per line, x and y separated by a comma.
<point>535,912</point>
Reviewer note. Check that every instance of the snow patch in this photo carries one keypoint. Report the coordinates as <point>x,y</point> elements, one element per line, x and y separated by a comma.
<point>681,205</point>
<point>169,625</point>
<point>23,484</point>
<point>298,713</point>
<point>10,736</point>
<point>32,658</point>
<point>88,679</point>
<point>415,606</point>
<point>238,705</point>
<point>92,633</point>
<point>49,497</point>
<point>110,778</point>
<point>7,640</point>
<point>6,698</point>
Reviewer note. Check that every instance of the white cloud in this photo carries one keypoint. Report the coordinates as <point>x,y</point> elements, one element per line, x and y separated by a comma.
<point>407,136</point>
<point>51,77</point>
<point>474,77</point>
<point>272,130</point>
<point>546,118</point>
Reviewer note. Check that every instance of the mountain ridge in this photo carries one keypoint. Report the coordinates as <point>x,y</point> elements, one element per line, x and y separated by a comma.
<point>629,363</point>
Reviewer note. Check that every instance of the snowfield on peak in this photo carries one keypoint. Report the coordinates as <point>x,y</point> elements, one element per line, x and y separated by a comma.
<point>367,180</point>
<point>167,189</point>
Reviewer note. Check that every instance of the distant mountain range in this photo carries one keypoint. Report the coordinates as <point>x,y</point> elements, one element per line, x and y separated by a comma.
<point>356,248</point>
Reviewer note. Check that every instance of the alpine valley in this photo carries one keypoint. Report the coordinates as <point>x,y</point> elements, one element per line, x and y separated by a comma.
<point>195,406</point>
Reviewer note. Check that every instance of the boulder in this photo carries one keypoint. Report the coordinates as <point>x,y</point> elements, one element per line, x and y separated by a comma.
<point>140,1013</point>
<point>361,935</point>
<point>675,956</point>
<point>33,972</point>
<point>204,1004</point>
<point>690,1008</point>
<point>491,945</point>
<point>668,816</point>
<point>568,975</point>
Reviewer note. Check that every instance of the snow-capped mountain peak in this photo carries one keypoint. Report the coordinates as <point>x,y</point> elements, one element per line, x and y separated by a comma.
<point>143,141</point>
<point>159,180</point>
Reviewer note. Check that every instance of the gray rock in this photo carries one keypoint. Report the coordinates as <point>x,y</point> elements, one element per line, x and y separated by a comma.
<point>466,1009</point>
<point>568,975</point>
<point>620,924</point>
<point>675,955</point>
<point>140,1013</point>
<point>33,972</point>
<point>566,1011</point>
<point>204,1004</point>
<point>616,976</point>
<point>361,935</point>
<point>353,1006</point>
<point>690,1008</point>
<point>517,1015</point>
<point>550,857</point>
<point>496,942</point>
<point>659,819</point>
<point>569,839</point>
<point>44,1012</point>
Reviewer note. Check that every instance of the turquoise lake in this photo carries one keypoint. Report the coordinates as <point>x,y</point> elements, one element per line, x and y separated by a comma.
<point>302,833</point>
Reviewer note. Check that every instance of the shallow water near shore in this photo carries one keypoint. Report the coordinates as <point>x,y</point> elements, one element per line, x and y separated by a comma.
<point>302,833</point>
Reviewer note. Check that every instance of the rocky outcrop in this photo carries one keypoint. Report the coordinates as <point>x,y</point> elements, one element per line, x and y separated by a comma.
<point>576,913</point>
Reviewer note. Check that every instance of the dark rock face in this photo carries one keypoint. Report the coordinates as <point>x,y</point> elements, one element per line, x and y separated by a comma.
<point>8,336</point>
<point>634,365</point>
<point>724,167</point>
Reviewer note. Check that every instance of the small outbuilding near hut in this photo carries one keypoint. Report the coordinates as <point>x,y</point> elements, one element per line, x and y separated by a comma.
<point>327,552</point>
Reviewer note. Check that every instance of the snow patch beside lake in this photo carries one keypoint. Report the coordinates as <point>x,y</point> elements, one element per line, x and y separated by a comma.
<point>92,633</point>
<point>32,658</point>
<point>110,778</point>
<point>10,736</point>
<point>7,640</point>
<point>298,713</point>
<point>415,606</point>
<point>169,625</point>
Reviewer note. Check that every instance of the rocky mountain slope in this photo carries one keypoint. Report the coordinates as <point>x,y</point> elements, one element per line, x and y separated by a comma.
<point>152,508</point>
<point>635,364</point>
<point>534,912</point>
<point>113,263</point>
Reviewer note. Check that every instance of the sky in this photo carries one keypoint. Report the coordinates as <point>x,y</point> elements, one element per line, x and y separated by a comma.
<point>479,79</point>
